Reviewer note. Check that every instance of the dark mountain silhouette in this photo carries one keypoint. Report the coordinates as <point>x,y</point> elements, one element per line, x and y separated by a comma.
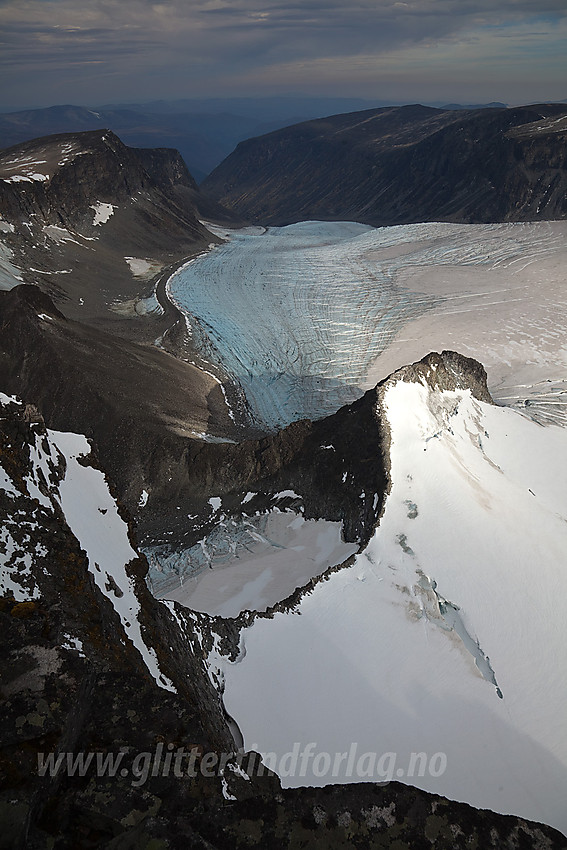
<point>403,164</point>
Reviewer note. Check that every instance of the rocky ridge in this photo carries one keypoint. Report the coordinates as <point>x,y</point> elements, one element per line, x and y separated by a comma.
<point>400,165</point>
<point>336,468</point>
<point>97,228</point>
<point>94,223</point>
<point>76,679</point>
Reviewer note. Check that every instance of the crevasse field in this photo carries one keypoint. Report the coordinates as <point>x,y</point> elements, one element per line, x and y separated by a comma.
<point>305,316</point>
<point>438,657</point>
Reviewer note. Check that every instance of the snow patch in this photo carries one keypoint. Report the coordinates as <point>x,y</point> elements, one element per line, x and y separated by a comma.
<point>59,234</point>
<point>102,212</point>
<point>73,643</point>
<point>10,275</point>
<point>140,267</point>
<point>92,515</point>
<point>27,178</point>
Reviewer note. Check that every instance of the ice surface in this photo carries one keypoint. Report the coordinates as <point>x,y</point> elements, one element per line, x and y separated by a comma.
<point>337,306</point>
<point>478,514</point>
<point>255,563</point>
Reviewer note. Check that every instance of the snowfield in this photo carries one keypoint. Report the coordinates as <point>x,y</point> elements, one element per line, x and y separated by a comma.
<point>337,306</point>
<point>447,635</point>
<point>92,515</point>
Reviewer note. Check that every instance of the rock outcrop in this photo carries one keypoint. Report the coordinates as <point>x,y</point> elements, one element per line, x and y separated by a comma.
<point>96,224</point>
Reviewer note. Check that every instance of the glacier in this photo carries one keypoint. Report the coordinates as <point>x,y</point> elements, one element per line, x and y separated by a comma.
<point>475,524</point>
<point>444,635</point>
<point>307,316</point>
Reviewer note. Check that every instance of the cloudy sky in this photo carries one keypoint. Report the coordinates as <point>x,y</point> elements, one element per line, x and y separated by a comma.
<point>102,51</point>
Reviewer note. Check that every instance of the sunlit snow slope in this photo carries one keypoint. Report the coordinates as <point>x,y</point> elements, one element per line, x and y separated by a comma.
<point>61,483</point>
<point>306,315</point>
<point>447,635</point>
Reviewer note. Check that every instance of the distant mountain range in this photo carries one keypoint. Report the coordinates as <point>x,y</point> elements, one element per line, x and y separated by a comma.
<point>398,165</point>
<point>204,131</point>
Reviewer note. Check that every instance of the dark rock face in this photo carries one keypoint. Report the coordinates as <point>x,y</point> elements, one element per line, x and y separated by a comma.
<point>151,213</point>
<point>72,682</point>
<point>167,168</point>
<point>401,165</point>
<point>137,403</point>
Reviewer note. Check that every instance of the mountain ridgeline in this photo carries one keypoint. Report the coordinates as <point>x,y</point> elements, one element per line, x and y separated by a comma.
<point>400,165</point>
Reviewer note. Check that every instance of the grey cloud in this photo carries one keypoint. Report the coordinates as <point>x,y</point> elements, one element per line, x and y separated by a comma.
<point>226,39</point>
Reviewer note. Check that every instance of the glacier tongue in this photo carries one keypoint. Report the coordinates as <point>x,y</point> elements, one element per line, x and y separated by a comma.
<point>305,316</point>
<point>476,507</point>
<point>295,314</point>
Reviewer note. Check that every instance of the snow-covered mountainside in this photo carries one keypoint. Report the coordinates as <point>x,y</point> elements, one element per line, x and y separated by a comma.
<point>112,732</point>
<point>61,486</point>
<point>338,306</point>
<point>445,635</point>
